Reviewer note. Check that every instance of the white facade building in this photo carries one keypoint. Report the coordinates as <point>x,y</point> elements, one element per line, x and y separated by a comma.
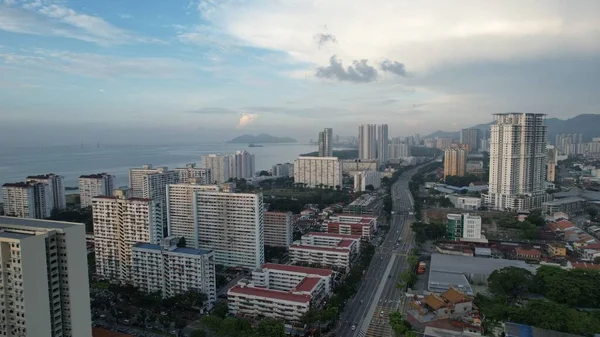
<point>365,178</point>
<point>173,270</point>
<point>181,210</point>
<point>282,292</point>
<point>399,150</point>
<point>232,225</point>
<point>283,170</point>
<point>332,240</point>
<point>351,224</point>
<point>314,171</point>
<point>339,258</point>
<point>383,149</point>
<point>468,203</point>
<point>278,229</point>
<point>326,143</point>
<point>241,165</point>
<point>27,200</point>
<point>94,185</point>
<point>367,145</point>
<point>471,226</point>
<point>219,167</point>
<point>517,162</point>
<point>44,286</point>
<point>192,174</point>
<point>118,225</point>
<point>57,189</point>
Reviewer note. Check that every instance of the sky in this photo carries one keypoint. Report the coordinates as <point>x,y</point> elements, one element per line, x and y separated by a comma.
<point>170,70</point>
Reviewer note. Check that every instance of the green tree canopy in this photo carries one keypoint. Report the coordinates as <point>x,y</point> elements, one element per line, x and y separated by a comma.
<point>510,282</point>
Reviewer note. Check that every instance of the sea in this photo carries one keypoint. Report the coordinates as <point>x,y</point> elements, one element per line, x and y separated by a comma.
<point>16,163</point>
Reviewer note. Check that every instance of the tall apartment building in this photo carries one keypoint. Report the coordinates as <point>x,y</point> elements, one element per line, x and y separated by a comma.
<point>315,171</point>
<point>181,214</point>
<point>455,162</point>
<point>470,138</point>
<point>399,150</point>
<point>551,162</point>
<point>517,162</point>
<point>173,270</point>
<point>219,167</point>
<point>283,170</point>
<point>241,165</point>
<point>383,150</point>
<point>118,225</point>
<point>44,286</point>
<point>326,143</point>
<point>151,183</point>
<point>443,143</point>
<point>94,185</point>
<point>192,174</point>
<point>27,200</point>
<point>57,188</point>
<point>232,225</point>
<point>367,148</point>
<point>278,229</point>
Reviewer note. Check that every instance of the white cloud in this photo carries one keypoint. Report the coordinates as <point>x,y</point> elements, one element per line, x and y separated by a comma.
<point>246,119</point>
<point>100,66</point>
<point>41,18</point>
<point>420,34</point>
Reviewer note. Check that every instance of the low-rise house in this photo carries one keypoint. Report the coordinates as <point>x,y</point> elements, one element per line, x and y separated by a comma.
<point>450,304</point>
<point>528,254</point>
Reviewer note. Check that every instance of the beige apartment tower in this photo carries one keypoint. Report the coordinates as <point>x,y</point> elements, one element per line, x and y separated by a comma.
<point>455,162</point>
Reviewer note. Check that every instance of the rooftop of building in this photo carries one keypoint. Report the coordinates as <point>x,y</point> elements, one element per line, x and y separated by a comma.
<point>180,250</point>
<point>100,332</point>
<point>563,201</point>
<point>269,293</point>
<point>13,235</point>
<point>36,223</point>
<point>335,235</point>
<point>364,200</point>
<point>473,265</point>
<point>561,225</point>
<point>585,265</point>
<point>319,158</point>
<point>363,217</point>
<point>110,197</point>
<point>352,225</point>
<point>93,176</point>
<point>321,248</point>
<point>20,184</point>
<point>439,332</point>
<point>307,284</point>
<point>526,251</point>
<point>41,176</point>
<point>298,269</point>
<point>346,243</point>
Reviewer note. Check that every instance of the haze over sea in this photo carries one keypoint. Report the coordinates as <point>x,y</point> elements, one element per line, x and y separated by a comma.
<point>72,161</point>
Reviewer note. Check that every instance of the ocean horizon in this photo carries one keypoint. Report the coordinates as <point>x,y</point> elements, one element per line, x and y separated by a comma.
<point>71,161</point>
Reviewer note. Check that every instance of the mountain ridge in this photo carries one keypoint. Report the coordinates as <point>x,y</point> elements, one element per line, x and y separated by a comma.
<point>584,123</point>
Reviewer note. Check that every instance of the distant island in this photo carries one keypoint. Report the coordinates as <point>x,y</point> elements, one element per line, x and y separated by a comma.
<point>261,139</point>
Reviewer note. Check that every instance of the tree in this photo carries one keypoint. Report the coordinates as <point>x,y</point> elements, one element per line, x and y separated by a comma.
<point>408,278</point>
<point>529,231</point>
<point>199,333</point>
<point>511,283</point>
<point>181,242</point>
<point>592,211</point>
<point>400,326</point>
<point>263,173</point>
<point>536,218</point>
<point>369,188</point>
<point>269,327</point>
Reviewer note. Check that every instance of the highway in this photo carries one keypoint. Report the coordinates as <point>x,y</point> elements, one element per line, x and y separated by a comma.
<point>378,291</point>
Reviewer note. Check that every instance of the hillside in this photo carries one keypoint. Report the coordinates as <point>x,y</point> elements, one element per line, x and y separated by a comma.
<point>586,124</point>
<point>261,139</point>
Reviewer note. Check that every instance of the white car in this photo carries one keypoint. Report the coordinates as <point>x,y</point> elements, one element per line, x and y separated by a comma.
<point>353,327</point>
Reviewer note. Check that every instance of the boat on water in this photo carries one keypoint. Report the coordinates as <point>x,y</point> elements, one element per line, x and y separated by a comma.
<point>255,145</point>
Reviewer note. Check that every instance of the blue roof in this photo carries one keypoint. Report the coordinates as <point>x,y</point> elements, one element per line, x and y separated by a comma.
<point>180,250</point>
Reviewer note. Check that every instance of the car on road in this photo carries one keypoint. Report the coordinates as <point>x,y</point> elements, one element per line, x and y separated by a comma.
<point>381,313</point>
<point>353,327</point>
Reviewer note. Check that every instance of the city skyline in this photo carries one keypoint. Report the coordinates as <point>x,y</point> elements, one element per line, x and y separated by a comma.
<point>117,71</point>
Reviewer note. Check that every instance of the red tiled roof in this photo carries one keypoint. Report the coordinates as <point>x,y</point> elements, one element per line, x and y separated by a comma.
<point>523,251</point>
<point>335,235</point>
<point>99,332</point>
<point>592,246</point>
<point>308,284</point>
<point>322,248</point>
<point>297,269</point>
<point>563,224</point>
<point>270,294</point>
<point>584,265</point>
<point>345,243</point>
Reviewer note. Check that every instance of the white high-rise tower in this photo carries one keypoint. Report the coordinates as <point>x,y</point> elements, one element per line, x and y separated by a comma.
<point>326,143</point>
<point>366,141</point>
<point>517,162</point>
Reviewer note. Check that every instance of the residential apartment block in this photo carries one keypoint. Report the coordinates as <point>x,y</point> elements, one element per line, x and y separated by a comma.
<point>278,229</point>
<point>56,186</point>
<point>281,292</point>
<point>470,138</point>
<point>283,170</point>
<point>173,270</point>
<point>44,285</point>
<point>27,200</point>
<point>317,171</point>
<point>383,150</point>
<point>351,224</point>
<point>118,225</point>
<point>241,165</point>
<point>219,167</point>
<point>93,185</point>
<point>192,174</point>
<point>231,224</point>
<point>326,143</point>
<point>367,141</point>
<point>455,162</point>
<point>517,162</point>
<point>464,227</point>
<point>331,240</point>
